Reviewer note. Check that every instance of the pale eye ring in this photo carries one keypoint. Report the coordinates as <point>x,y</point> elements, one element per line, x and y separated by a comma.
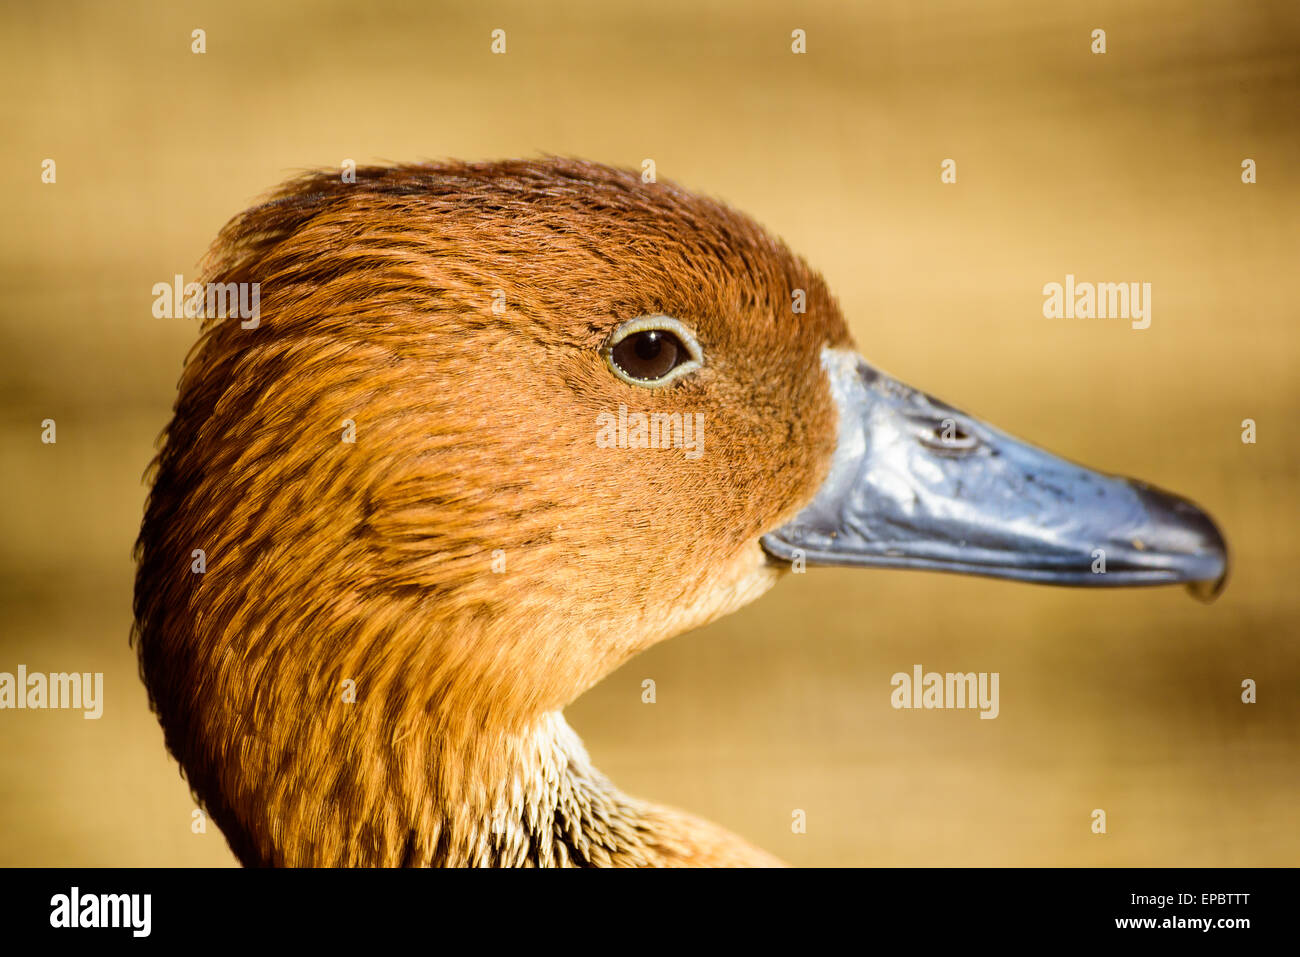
<point>652,351</point>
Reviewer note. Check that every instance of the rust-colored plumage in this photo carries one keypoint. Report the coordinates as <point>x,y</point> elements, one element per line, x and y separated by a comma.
<point>473,561</point>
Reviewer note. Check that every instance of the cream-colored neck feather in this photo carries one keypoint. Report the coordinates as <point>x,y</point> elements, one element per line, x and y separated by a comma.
<point>536,800</point>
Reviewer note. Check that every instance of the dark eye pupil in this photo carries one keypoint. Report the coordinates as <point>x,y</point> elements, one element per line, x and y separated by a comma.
<point>648,345</point>
<point>649,354</point>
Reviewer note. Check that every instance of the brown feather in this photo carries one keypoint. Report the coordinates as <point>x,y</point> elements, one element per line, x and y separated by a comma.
<point>475,432</point>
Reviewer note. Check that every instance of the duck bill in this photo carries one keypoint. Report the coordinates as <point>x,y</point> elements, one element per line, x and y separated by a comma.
<point>914,483</point>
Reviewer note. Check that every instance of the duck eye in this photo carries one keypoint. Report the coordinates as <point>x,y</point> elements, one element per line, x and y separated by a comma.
<point>648,354</point>
<point>652,351</point>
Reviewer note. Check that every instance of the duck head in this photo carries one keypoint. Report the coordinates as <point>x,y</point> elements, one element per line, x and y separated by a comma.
<point>498,428</point>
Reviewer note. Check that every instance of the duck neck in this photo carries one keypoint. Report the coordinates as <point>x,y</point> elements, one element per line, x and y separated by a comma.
<point>477,774</point>
<point>532,797</point>
<point>494,799</point>
<point>535,799</point>
<point>444,796</point>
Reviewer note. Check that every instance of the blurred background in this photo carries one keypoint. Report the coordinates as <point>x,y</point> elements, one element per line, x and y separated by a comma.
<point>1117,167</point>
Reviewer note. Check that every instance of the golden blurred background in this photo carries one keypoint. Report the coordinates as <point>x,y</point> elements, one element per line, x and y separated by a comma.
<point>1124,166</point>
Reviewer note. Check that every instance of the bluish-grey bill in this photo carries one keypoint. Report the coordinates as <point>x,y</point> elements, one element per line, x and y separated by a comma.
<point>914,483</point>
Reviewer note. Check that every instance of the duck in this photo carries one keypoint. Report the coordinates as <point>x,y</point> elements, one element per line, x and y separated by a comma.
<point>440,489</point>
